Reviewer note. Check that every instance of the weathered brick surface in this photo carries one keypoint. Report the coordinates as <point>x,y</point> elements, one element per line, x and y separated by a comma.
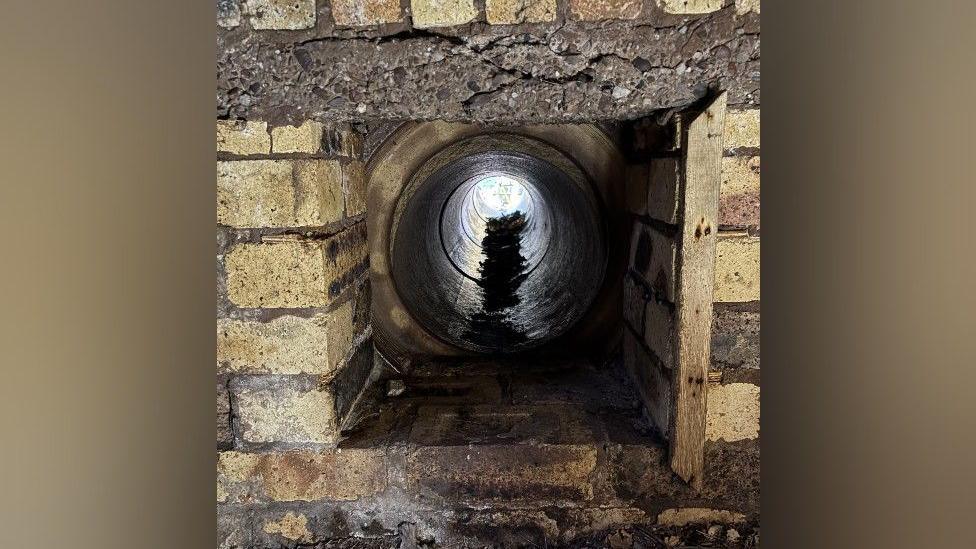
<point>698,515</point>
<point>356,13</point>
<point>345,258</point>
<point>235,529</point>
<point>278,193</point>
<point>284,410</point>
<point>280,14</point>
<point>322,180</point>
<point>653,256</point>
<point>733,412</point>
<point>659,331</point>
<point>291,526</point>
<point>225,438</point>
<point>300,475</point>
<point>513,12</point>
<point>285,345</point>
<point>549,526</point>
<point>737,269</point>
<point>741,129</point>
<point>504,472</point>
<point>597,10</point>
<point>662,203</point>
<point>739,199</point>
<point>735,339</point>
<point>294,273</point>
<point>690,6</point>
<point>732,475</point>
<point>342,331</point>
<point>277,274</point>
<point>304,138</point>
<point>442,13</point>
<point>640,472</point>
<point>342,140</point>
<point>243,137</point>
<point>355,188</point>
<point>635,299</point>
<point>652,383</point>
<point>745,6</point>
<point>549,423</point>
<point>362,307</point>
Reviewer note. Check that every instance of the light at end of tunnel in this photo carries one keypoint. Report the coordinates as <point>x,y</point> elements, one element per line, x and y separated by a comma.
<point>502,195</point>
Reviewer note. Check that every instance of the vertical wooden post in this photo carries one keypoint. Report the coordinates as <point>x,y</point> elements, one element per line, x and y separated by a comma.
<point>698,226</point>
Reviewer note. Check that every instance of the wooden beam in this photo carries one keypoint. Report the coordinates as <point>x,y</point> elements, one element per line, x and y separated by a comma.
<point>702,158</point>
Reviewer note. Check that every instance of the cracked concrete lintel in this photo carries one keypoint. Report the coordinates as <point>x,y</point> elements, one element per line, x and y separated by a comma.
<point>572,72</point>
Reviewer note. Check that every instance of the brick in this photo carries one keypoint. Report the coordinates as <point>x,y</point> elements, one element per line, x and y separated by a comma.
<point>733,412</point>
<point>301,475</point>
<point>282,410</point>
<point>341,333</point>
<point>225,439</point>
<point>598,10</point>
<point>549,423</point>
<point>359,13</point>
<point>514,12</point>
<point>361,310</point>
<point>504,472</point>
<point>279,274</point>
<point>662,191</point>
<point>322,181</point>
<point>342,140</point>
<point>355,188</point>
<point>652,383</point>
<point>735,339</point>
<point>345,258</point>
<point>737,269</point>
<point>634,302</point>
<point>235,477</point>
<point>280,14</point>
<point>527,527</point>
<point>278,193</point>
<point>741,129</point>
<point>739,198</point>
<point>690,6</point>
<point>442,13</point>
<point>234,528</point>
<point>290,526</point>
<point>698,515</point>
<point>654,256</point>
<point>243,137</point>
<point>306,138</point>
<point>743,7</point>
<point>286,345</point>
<point>659,331</point>
<point>294,273</point>
<point>642,472</point>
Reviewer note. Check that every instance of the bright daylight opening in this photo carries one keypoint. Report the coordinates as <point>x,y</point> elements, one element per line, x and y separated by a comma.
<point>501,195</point>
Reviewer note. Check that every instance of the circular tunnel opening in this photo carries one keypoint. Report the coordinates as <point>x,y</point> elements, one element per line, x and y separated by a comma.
<point>498,251</point>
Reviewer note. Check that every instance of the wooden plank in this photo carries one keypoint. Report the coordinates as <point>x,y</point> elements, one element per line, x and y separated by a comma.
<point>702,158</point>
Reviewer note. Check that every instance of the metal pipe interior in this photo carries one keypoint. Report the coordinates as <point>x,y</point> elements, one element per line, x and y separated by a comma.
<point>544,264</point>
